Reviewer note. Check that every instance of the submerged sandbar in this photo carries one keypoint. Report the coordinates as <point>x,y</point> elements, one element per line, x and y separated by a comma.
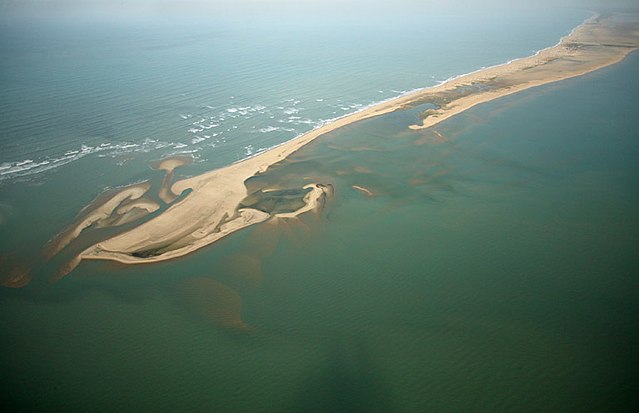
<point>213,208</point>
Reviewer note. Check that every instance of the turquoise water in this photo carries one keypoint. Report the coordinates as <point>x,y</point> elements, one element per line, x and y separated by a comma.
<point>122,92</point>
<point>494,269</point>
<point>88,103</point>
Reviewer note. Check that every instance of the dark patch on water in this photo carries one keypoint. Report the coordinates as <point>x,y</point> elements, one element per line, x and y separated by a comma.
<point>348,379</point>
<point>276,201</point>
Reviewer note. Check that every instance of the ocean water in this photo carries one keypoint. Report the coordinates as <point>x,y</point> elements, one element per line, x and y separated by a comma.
<point>124,91</point>
<point>87,103</point>
<point>493,269</point>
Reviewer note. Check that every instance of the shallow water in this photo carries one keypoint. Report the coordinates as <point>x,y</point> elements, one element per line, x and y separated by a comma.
<point>494,268</point>
<point>122,92</point>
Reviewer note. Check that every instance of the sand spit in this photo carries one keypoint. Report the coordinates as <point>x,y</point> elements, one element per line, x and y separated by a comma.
<point>597,43</point>
<point>129,212</point>
<point>313,200</point>
<point>212,210</point>
<point>169,165</point>
<point>363,190</point>
<point>208,214</point>
<point>102,213</point>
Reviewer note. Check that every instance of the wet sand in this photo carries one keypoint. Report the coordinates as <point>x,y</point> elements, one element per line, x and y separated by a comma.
<point>212,210</point>
<point>595,44</point>
<point>363,190</point>
<point>169,165</point>
<point>103,212</point>
<point>13,273</point>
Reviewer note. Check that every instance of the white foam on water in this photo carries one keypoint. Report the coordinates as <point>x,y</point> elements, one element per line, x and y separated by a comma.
<point>191,151</point>
<point>127,146</point>
<point>290,111</point>
<point>268,129</point>
<point>206,121</point>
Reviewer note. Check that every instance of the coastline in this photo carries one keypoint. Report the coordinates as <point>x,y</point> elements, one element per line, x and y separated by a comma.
<point>581,52</point>
<point>212,210</point>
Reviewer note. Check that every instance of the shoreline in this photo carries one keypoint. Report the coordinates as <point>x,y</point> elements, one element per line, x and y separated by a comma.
<point>410,93</point>
<point>212,209</point>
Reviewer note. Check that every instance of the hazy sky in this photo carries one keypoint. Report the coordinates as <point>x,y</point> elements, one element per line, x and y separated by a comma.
<point>274,6</point>
<point>216,5</point>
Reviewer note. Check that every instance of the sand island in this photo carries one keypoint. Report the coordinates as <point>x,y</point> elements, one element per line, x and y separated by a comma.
<point>215,206</point>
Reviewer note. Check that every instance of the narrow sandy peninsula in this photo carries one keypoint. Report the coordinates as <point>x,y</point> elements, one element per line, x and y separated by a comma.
<point>213,208</point>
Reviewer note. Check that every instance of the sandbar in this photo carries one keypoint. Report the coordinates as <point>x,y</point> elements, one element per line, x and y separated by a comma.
<point>363,190</point>
<point>212,209</point>
<point>100,212</point>
<point>169,165</point>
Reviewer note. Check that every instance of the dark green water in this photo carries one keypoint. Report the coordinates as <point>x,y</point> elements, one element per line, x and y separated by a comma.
<point>494,269</point>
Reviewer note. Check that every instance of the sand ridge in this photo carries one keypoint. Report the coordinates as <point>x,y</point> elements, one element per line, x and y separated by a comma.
<point>169,165</point>
<point>212,209</point>
<point>100,211</point>
<point>595,44</point>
